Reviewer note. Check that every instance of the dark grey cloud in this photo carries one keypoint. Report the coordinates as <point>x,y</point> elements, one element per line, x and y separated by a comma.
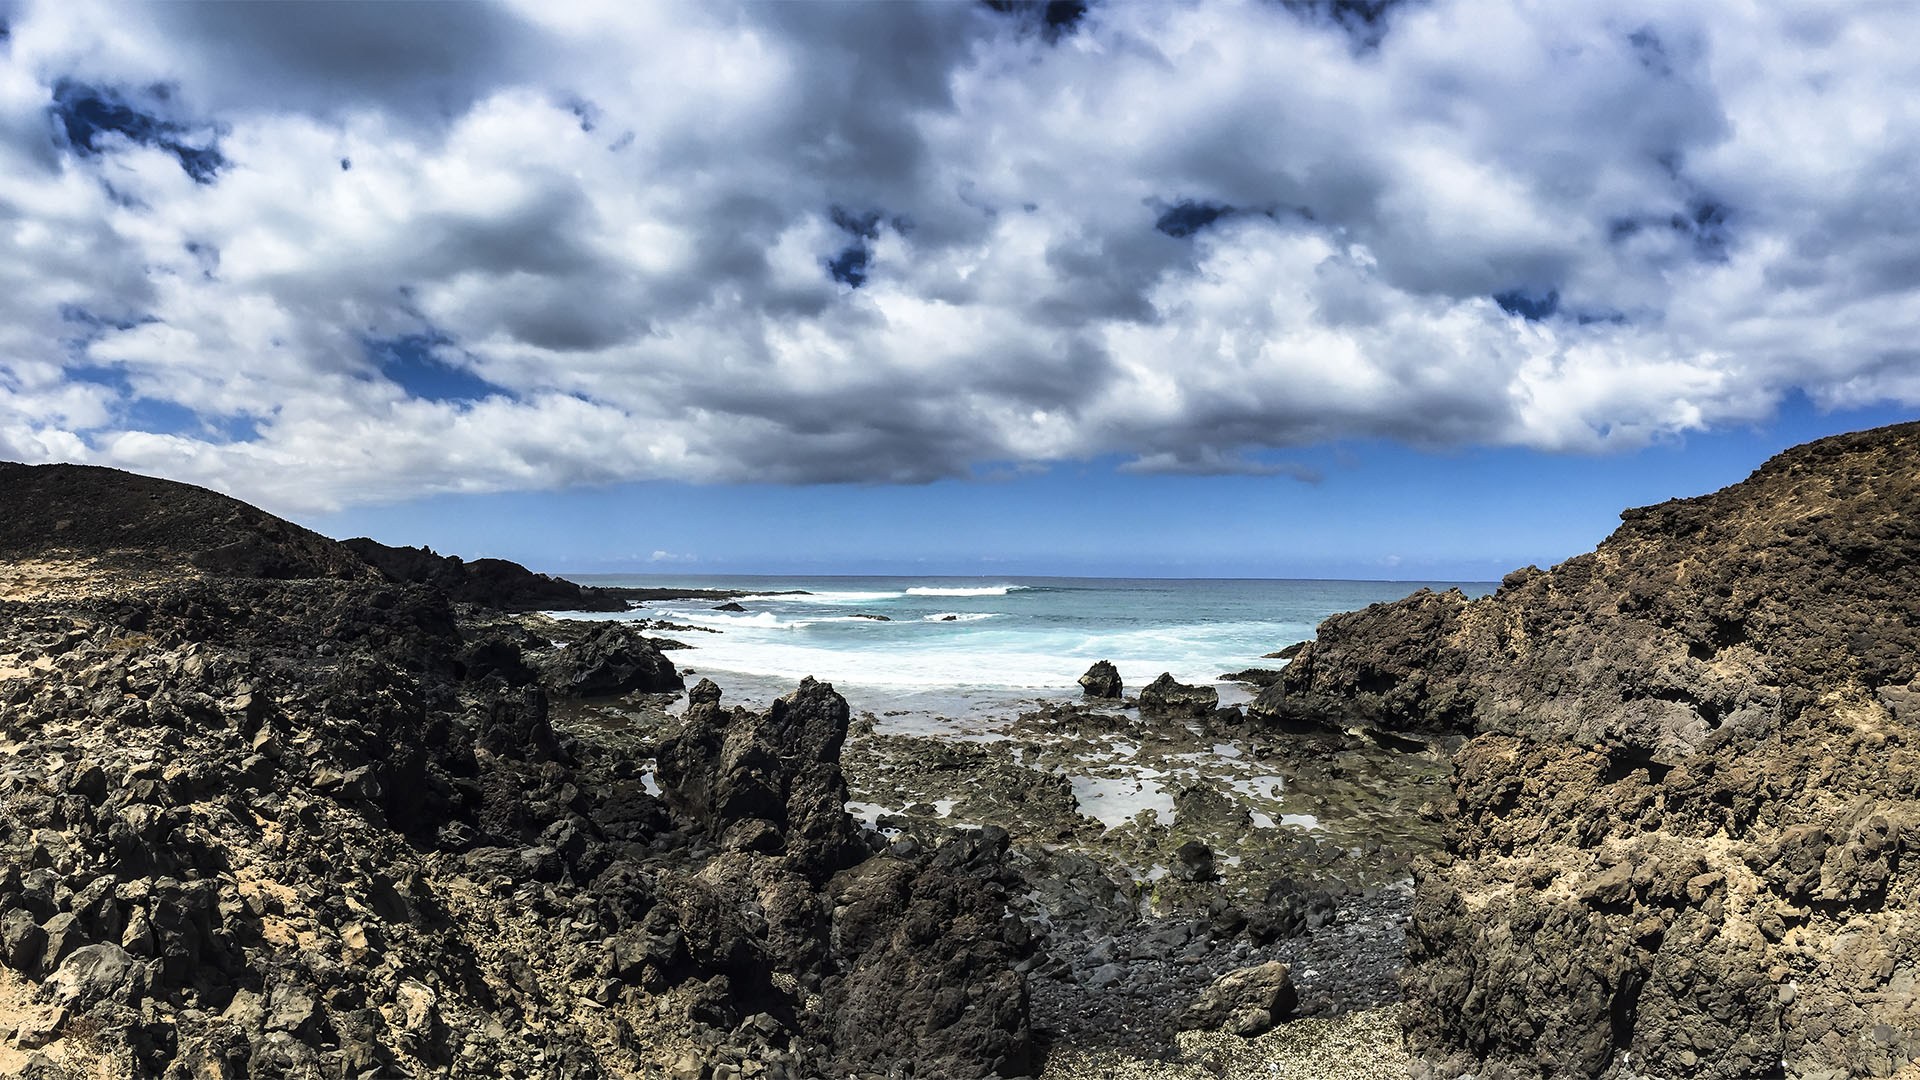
<point>424,59</point>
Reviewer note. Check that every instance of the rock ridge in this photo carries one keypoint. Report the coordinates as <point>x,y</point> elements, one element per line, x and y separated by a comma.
<point>1687,791</point>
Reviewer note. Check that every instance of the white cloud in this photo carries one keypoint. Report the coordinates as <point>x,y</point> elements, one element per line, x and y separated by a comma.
<point>618,221</point>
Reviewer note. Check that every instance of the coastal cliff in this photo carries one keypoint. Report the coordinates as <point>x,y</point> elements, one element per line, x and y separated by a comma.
<point>1682,829</point>
<point>270,810</point>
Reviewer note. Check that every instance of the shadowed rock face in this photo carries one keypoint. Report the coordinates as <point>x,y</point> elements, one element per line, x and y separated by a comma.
<point>1684,829</point>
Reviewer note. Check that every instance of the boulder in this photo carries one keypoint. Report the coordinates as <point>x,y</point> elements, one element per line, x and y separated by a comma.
<point>95,973</point>
<point>1246,1002</point>
<point>1193,862</point>
<point>1166,697</point>
<point>730,605</point>
<point>23,944</point>
<point>704,692</point>
<point>610,660</point>
<point>1102,680</point>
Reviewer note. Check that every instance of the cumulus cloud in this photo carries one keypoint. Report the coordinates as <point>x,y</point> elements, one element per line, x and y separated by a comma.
<point>317,254</point>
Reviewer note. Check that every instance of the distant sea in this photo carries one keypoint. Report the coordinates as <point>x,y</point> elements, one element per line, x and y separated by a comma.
<point>956,646</point>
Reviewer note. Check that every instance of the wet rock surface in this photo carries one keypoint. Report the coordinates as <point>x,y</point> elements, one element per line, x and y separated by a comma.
<point>1101,800</point>
<point>1680,838</point>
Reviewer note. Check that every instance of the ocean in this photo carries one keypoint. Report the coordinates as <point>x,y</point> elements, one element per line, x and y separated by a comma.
<point>955,647</point>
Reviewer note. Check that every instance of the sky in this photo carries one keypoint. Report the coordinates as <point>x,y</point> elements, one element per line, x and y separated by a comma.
<point>1411,289</point>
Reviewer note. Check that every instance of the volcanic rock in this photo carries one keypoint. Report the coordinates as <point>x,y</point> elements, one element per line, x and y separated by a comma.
<point>151,524</point>
<point>1244,1002</point>
<point>1167,697</point>
<point>292,825</point>
<point>1261,677</point>
<point>94,973</point>
<point>1681,832</point>
<point>932,959</point>
<point>780,768</point>
<point>492,583</point>
<point>730,605</point>
<point>1193,861</point>
<point>1102,680</point>
<point>612,659</point>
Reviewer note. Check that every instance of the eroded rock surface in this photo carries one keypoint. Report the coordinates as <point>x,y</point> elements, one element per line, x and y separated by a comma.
<point>1681,838</point>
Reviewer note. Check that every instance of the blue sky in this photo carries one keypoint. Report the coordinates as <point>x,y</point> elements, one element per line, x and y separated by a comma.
<point>1200,286</point>
<point>1380,511</point>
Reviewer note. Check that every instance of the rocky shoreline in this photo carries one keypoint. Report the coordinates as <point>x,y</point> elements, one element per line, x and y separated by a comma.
<point>290,810</point>
<point>280,806</point>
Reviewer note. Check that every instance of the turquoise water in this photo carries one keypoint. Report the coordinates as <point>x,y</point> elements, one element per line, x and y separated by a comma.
<point>958,643</point>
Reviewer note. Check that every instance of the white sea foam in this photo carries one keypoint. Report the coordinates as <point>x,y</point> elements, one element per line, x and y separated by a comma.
<point>759,620</point>
<point>991,652</point>
<point>988,663</point>
<point>820,597</point>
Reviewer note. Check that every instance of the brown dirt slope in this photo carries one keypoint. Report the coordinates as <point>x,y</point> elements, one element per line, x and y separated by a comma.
<point>1683,835</point>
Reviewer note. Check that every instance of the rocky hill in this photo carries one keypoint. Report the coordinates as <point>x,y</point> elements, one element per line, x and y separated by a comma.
<point>1682,831</point>
<point>121,520</point>
<point>265,812</point>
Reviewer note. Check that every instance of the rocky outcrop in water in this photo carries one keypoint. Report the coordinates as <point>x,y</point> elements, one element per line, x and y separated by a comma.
<point>611,659</point>
<point>1168,697</point>
<point>321,823</point>
<point>1102,680</point>
<point>1682,833</point>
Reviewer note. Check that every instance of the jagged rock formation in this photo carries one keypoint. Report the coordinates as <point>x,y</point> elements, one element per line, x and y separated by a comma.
<point>1102,680</point>
<point>318,824</point>
<point>1683,833</point>
<point>610,660</point>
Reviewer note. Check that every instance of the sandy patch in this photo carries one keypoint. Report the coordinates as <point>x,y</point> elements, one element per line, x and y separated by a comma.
<point>1358,1046</point>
